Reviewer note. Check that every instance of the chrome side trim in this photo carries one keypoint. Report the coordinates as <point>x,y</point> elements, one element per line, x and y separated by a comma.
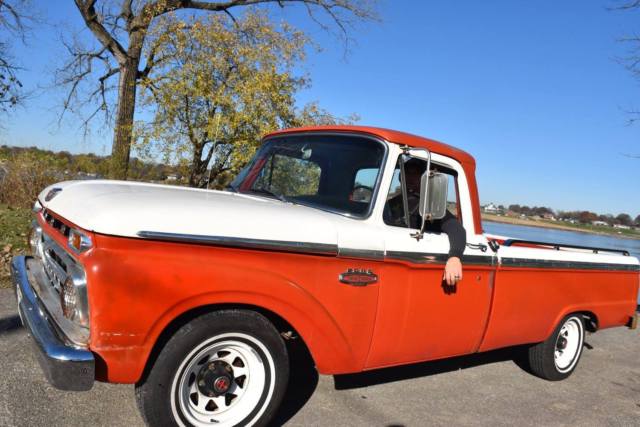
<point>66,367</point>
<point>437,258</point>
<point>375,255</point>
<point>367,254</point>
<point>244,243</point>
<point>572,265</point>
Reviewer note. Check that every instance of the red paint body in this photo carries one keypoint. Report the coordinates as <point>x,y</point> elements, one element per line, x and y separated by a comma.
<point>138,287</point>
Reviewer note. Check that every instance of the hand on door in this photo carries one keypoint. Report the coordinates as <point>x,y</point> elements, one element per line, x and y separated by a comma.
<point>453,271</point>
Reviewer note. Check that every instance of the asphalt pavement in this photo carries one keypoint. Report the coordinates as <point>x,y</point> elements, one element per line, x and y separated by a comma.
<point>485,389</point>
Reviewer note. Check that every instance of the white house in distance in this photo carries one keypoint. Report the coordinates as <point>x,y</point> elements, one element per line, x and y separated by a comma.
<point>622,227</point>
<point>599,223</point>
<point>490,208</point>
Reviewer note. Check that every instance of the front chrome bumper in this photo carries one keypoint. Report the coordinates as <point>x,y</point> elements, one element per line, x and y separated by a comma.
<point>65,366</point>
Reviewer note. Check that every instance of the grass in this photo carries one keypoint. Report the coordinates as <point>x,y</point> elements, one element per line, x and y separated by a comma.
<point>585,228</point>
<point>15,224</point>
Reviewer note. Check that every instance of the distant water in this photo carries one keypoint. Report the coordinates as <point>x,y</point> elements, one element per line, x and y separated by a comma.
<point>563,236</point>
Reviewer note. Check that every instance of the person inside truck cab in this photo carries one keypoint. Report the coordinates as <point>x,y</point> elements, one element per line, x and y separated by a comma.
<point>450,225</point>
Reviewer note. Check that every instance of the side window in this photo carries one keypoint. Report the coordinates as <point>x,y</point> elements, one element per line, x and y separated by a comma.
<point>277,176</point>
<point>452,196</point>
<point>394,210</point>
<point>363,185</point>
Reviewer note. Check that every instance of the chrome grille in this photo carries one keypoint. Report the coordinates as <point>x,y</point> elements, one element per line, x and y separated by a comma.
<point>56,262</point>
<point>57,268</point>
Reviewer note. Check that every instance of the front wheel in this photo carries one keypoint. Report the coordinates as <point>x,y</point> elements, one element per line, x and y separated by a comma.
<point>224,368</point>
<point>557,357</point>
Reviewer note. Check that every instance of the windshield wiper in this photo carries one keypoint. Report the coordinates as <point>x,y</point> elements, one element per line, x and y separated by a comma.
<point>280,197</point>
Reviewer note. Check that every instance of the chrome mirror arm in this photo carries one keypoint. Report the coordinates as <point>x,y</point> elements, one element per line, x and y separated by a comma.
<point>427,215</point>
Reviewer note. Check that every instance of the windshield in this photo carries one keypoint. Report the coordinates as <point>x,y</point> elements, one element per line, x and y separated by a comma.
<point>331,172</point>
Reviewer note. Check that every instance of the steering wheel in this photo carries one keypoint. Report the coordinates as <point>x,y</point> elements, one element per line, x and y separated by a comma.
<point>361,193</point>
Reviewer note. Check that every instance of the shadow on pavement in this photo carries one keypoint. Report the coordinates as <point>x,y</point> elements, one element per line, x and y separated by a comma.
<point>387,375</point>
<point>11,323</point>
<point>303,380</point>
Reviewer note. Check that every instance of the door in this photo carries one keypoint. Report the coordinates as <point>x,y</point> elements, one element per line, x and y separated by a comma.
<point>419,317</point>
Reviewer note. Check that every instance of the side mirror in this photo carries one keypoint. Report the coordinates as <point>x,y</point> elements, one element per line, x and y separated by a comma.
<point>433,195</point>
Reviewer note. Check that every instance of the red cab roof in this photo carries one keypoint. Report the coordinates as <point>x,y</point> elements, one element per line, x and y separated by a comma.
<point>390,135</point>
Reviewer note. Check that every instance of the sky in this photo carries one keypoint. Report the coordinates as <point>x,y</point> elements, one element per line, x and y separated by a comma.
<point>534,91</point>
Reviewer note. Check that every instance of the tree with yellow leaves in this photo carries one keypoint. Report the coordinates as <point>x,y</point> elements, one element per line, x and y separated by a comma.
<point>221,85</point>
<point>121,29</point>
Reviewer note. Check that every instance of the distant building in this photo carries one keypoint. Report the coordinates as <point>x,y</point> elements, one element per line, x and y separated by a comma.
<point>549,216</point>
<point>600,223</point>
<point>490,209</point>
<point>621,226</point>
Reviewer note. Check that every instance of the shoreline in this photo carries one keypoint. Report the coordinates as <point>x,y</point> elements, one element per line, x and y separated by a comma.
<point>554,226</point>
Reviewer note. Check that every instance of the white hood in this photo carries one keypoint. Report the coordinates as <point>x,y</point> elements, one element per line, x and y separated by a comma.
<point>124,208</point>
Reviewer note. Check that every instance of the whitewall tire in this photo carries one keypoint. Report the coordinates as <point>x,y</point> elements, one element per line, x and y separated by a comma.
<point>225,368</point>
<point>557,357</point>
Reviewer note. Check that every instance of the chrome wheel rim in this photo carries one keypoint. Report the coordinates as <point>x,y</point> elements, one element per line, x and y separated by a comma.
<point>224,381</point>
<point>568,344</point>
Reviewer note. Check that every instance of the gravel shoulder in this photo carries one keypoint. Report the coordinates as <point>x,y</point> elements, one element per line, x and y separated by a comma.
<point>486,389</point>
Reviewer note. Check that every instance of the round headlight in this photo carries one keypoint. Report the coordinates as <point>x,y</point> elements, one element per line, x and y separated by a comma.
<point>68,298</point>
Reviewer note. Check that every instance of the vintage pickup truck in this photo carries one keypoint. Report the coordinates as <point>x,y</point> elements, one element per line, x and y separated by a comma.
<point>193,294</point>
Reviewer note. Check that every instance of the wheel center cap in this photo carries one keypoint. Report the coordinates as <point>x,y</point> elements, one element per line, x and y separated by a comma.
<point>221,384</point>
<point>562,343</point>
<point>215,378</point>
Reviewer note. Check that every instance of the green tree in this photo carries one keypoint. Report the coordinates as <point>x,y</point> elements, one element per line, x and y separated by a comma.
<point>586,217</point>
<point>224,84</point>
<point>624,219</point>
<point>122,48</point>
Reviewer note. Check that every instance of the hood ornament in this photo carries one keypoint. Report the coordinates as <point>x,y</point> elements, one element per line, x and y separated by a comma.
<point>52,193</point>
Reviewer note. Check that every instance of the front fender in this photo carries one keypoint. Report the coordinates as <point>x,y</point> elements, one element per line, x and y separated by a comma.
<point>137,288</point>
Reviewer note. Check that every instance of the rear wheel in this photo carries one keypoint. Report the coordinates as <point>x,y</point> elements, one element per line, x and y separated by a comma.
<point>224,368</point>
<point>557,357</point>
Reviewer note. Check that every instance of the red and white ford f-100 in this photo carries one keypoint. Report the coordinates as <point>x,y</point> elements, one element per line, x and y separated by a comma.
<point>191,294</point>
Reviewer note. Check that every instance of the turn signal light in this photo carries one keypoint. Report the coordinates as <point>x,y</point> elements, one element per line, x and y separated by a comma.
<point>79,241</point>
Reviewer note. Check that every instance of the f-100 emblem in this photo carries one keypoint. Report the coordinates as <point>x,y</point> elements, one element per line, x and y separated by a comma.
<point>358,277</point>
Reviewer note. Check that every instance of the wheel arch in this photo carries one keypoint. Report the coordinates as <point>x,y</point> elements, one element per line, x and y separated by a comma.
<point>328,348</point>
<point>590,321</point>
<point>589,317</point>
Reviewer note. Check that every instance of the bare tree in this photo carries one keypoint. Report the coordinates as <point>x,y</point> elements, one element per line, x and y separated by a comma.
<point>121,27</point>
<point>632,60</point>
<point>13,26</point>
